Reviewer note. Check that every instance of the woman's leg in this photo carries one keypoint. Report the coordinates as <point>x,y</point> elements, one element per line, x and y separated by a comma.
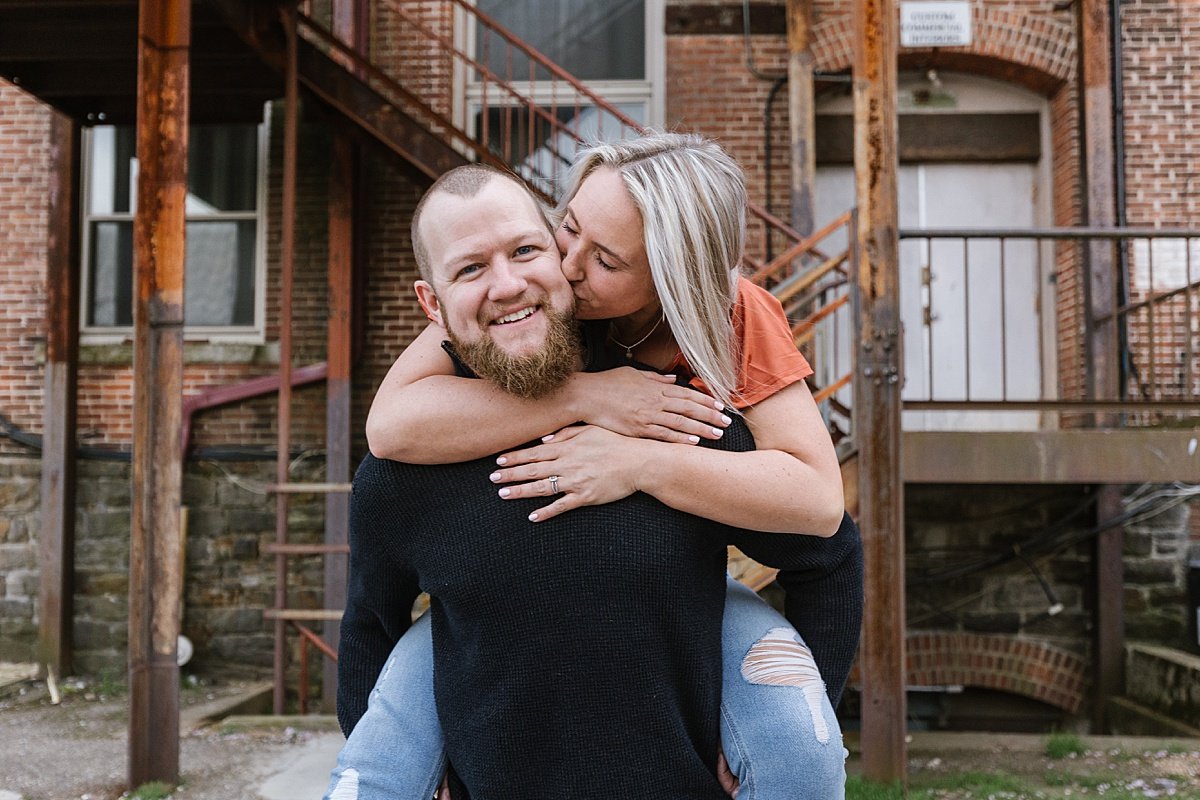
<point>396,750</point>
<point>778,729</point>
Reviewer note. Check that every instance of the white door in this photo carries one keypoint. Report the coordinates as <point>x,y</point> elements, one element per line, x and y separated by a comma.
<point>969,333</point>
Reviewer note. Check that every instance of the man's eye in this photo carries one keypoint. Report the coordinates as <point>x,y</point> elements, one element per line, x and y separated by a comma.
<point>524,250</point>
<point>470,269</point>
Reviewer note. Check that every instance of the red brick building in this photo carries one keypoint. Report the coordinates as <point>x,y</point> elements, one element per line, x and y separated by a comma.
<point>997,338</point>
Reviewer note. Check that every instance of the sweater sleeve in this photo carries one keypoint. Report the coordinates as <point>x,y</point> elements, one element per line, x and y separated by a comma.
<point>822,580</point>
<point>380,594</point>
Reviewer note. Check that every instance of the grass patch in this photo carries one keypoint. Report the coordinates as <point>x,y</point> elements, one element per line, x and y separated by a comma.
<point>861,789</point>
<point>926,787</point>
<point>155,790</point>
<point>1061,745</point>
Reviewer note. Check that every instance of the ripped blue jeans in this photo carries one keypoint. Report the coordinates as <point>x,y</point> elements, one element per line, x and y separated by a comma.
<point>778,730</point>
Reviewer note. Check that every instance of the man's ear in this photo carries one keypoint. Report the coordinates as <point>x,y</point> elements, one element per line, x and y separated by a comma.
<point>429,302</point>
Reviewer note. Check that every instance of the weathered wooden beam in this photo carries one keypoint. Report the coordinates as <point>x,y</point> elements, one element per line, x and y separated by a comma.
<point>342,179</point>
<point>155,563</point>
<point>56,541</point>
<point>802,113</point>
<point>878,378</point>
<point>1067,456</point>
<point>1102,350</point>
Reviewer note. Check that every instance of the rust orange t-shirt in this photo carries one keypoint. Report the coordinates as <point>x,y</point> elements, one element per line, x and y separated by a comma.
<point>769,358</point>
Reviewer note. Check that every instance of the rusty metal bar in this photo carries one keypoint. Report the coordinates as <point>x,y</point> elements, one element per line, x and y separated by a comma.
<point>56,540</point>
<point>286,269</point>
<point>878,378</point>
<point>305,549</point>
<point>316,642</point>
<point>293,614</point>
<point>155,579</point>
<point>1079,406</point>
<point>825,392</point>
<point>307,488</point>
<point>807,244</point>
<point>1150,315</point>
<point>302,693</point>
<point>1188,315</point>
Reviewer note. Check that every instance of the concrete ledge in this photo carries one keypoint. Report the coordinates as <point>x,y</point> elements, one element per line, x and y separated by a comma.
<point>254,699</point>
<point>1164,680</point>
<point>318,723</point>
<point>1127,718</point>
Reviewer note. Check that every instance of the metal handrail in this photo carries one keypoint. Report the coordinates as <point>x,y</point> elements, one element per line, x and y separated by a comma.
<point>1155,323</point>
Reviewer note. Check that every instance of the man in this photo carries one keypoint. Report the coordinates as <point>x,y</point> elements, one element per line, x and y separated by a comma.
<point>576,657</point>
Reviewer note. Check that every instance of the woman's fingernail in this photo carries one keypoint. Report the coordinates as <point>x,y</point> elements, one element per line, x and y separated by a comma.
<point>725,419</point>
<point>719,405</point>
<point>502,461</point>
<point>505,492</point>
<point>718,432</point>
<point>533,517</point>
<point>694,439</point>
<point>547,437</point>
<point>495,476</point>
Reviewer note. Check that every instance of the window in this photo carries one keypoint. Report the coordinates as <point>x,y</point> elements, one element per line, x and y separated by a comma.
<point>224,227</point>
<point>614,48</point>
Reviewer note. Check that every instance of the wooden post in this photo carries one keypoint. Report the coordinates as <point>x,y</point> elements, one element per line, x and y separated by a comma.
<point>56,542</point>
<point>801,113</point>
<point>164,33</point>
<point>1100,280</point>
<point>342,180</point>
<point>878,379</point>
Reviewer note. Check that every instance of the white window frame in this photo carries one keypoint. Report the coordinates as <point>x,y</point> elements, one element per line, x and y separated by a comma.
<point>254,333</point>
<point>650,92</point>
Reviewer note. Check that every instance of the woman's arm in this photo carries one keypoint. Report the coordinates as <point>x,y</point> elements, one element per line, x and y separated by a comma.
<point>424,414</point>
<point>791,483</point>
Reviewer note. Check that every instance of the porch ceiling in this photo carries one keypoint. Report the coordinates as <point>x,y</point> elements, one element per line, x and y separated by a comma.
<point>1062,456</point>
<point>80,56</point>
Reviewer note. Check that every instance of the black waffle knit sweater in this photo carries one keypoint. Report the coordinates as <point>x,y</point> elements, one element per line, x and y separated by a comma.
<point>577,657</point>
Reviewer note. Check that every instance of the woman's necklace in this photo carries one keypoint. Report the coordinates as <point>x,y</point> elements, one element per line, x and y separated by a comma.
<point>629,348</point>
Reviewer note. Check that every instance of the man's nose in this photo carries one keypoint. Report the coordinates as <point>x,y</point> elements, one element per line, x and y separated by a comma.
<point>508,280</point>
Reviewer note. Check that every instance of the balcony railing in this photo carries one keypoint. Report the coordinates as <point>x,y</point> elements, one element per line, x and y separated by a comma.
<point>999,321</point>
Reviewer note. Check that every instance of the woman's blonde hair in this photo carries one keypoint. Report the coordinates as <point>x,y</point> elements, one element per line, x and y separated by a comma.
<point>692,198</point>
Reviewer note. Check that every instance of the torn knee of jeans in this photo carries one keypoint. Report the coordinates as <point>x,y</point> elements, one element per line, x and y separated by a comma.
<point>347,786</point>
<point>779,658</point>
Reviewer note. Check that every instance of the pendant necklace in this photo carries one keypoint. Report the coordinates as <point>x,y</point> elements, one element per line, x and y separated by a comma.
<point>629,348</point>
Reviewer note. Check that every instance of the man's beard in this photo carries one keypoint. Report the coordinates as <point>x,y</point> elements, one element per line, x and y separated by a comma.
<point>532,376</point>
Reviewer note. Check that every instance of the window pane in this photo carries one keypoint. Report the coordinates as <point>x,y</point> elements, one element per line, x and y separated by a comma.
<point>506,131</point>
<point>112,179</point>
<point>222,168</point>
<point>219,288</point>
<point>111,274</point>
<point>590,40</point>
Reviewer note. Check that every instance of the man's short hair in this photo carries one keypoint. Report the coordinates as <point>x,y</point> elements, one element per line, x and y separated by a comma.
<point>466,182</point>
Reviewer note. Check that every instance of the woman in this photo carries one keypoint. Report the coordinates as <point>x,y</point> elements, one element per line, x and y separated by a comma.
<point>651,234</point>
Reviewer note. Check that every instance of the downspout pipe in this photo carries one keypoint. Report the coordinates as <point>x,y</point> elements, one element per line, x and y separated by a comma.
<point>1118,104</point>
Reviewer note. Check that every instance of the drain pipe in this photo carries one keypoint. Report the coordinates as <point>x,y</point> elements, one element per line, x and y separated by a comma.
<point>1118,104</point>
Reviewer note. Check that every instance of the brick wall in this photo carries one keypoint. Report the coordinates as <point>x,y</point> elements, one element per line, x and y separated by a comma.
<point>24,151</point>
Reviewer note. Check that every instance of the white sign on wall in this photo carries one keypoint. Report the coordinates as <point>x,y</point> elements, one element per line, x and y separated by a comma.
<point>935,23</point>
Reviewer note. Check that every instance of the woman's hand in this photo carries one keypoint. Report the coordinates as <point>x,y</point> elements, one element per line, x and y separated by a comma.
<point>647,405</point>
<point>583,465</point>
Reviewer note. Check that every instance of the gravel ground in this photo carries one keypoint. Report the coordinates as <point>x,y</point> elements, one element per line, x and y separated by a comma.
<point>76,750</point>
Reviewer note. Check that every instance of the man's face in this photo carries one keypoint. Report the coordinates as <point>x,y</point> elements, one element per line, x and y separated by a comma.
<point>497,287</point>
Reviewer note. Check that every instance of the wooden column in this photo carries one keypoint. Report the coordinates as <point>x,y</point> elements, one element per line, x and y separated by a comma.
<point>56,541</point>
<point>1103,356</point>
<point>158,262</point>
<point>801,113</point>
<point>338,390</point>
<point>878,379</point>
